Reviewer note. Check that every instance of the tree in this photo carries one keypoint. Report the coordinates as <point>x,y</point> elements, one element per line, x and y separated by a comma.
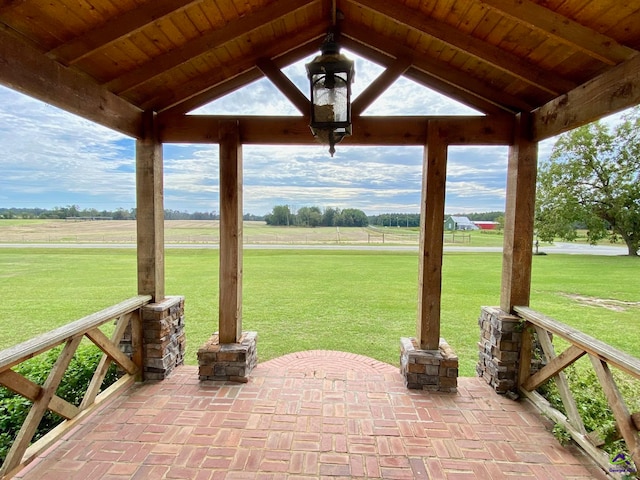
<point>309,216</point>
<point>592,179</point>
<point>329,216</point>
<point>281,215</point>
<point>352,217</point>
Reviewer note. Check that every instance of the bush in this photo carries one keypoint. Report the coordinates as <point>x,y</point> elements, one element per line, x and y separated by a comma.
<point>15,408</point>
<point>592,402</point>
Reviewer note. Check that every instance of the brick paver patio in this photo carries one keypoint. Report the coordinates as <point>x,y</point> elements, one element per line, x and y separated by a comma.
<point>314,414</point>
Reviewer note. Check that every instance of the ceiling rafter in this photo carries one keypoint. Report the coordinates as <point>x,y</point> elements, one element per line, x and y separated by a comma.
<point>121,27</point>
<point>565,30</point>
<point>434,74</point>
<point>611,92</point>
<point>379,85</point>
<point>295,47</point>
<point>199,46</point>
<point>213,92</point>
<point>282,83</point>
<point>25,68</point>
<point>495,56</point>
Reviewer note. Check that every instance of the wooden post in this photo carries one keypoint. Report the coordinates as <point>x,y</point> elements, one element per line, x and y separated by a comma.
<point>230,307</point>
<point>520,209</point>
<point>150,211</point>
<point>434,175</point>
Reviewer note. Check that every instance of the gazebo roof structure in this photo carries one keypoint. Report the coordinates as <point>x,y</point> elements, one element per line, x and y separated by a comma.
<point>110,61</point>
<point>534,68</point>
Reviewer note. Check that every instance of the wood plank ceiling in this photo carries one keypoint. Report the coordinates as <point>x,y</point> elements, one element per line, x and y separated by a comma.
<point>108,60</point>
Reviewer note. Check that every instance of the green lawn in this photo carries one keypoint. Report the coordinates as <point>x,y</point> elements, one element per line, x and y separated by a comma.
<point>355,301</point>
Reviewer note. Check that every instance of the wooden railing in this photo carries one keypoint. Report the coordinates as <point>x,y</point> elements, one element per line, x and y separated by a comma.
<point>43,396</point>
<point>602,356</point>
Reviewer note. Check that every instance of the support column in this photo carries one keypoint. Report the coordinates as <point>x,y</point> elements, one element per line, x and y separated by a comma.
<point>501,338</point>
<point>230,285</point>
<point>427,362</point>
<point>434,178</point>
<point>230,354</point>
<point>159,330</point>
<point>150,211</point>
<point>519,215</point>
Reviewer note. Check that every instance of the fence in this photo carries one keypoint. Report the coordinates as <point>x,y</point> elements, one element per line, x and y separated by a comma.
<point>602,357</point>
<point>126,313</point>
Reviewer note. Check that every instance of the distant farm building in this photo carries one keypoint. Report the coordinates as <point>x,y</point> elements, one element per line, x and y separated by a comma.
<point>486,225</point>
<point>459,223</point>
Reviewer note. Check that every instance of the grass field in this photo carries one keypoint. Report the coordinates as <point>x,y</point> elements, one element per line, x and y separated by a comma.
<point>355,301</point>
<point>207,232</point>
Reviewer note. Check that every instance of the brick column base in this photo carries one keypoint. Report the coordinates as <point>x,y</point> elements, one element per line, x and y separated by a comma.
<point>228,361</point>
<point>163,337</point>
<point>499,349</point>
<point>428,369</point>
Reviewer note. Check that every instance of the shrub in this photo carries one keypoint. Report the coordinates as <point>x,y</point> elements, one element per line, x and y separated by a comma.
<point>592,402</point>
<point>15,408</point>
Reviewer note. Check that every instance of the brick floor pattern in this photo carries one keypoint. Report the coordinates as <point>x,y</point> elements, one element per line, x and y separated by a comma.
<point>307,415</point>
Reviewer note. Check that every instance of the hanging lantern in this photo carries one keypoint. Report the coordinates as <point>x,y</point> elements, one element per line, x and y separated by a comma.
<point>330,75</point>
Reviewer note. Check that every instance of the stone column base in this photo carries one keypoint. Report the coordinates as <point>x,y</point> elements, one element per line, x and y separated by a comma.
<point>163,337</point>
<point>499,348</point>
<point>428,369</point>
<point>228,361</point>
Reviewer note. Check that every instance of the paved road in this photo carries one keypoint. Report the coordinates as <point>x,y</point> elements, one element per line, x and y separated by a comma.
<point>564,248</point>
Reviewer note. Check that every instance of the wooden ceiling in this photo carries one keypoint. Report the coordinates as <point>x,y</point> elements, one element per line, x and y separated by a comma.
<point>110,60</point>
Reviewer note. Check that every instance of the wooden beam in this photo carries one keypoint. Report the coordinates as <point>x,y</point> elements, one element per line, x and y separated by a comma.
<point>570,405</point>
<point>434,74</point>
<point>563,29</point>
<point>223,86</point>
<point>490,130</point>
<point>105,361</point>
<point>117,28</point>
<point>614,357</point>
<point>434,177</point>
<point>494,56</point>
<point>202,44</point>
<point>379,85</point>
<point>25,68</point>
<point>616,89</point>
<point>286,86</point>
<point>112,350</point>
<point>518,232</point>
<point>230,283</point>
<point>150,211</point>
<point>165,99</point>
<point>553,367</point>
<point>17,354</point>
<point>526,354</point>
<point>366,130</point>
<point>620,411</point>
<point>32,391</point>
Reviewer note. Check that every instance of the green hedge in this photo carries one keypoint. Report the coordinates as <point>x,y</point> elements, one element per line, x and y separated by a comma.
<point>15,408</point>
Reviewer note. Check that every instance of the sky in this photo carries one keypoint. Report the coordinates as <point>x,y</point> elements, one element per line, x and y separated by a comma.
<point>50,158</point>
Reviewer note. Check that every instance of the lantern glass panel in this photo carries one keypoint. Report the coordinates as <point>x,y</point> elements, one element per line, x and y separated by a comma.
<point>330,98</point>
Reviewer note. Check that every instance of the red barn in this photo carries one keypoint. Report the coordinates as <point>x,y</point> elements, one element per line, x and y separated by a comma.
<point>486,225</point>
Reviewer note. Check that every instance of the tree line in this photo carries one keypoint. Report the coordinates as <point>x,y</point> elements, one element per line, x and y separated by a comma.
<point>74,211</point>
<point>313,217</point>
<point>281,215</point>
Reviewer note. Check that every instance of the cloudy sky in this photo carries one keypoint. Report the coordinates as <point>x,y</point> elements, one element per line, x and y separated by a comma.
<point>50,158</point>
